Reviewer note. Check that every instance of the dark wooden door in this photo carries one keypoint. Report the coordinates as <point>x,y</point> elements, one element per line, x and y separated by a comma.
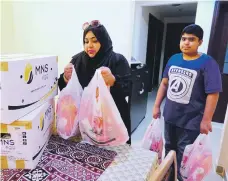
<point>172,40</point>
<point>154,44</point>
<point>218,49</point>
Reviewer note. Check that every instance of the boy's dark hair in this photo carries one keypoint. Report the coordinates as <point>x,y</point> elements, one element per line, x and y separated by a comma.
<point>193,29</point>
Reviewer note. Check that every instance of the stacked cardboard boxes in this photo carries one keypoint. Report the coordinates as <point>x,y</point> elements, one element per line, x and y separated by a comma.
<point>28,85</point>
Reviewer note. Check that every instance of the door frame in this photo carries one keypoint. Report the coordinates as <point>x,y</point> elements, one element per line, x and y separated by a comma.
<point>153,54</point>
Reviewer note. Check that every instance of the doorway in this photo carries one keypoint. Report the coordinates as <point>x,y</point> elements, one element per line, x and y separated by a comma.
<point>165,25</point>
<point>172,40</point>
<point>154,45</point>
<point>219,41</point>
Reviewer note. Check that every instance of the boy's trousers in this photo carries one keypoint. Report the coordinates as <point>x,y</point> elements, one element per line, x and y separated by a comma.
<point>177,139</point>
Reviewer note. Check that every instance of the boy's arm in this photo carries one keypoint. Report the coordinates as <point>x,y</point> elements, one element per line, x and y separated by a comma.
<point>210,107</point>
<point>159,98</point>
<point>213,85</point>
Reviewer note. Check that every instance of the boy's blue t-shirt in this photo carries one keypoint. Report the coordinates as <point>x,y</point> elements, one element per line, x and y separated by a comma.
<point>189,84</point>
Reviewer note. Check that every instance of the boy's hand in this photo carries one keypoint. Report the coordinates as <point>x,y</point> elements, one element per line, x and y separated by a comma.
<point>205,127</point>
<point>156,112</point>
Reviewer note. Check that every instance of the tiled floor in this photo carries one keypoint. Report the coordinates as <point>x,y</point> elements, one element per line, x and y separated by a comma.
<point>214,136</point>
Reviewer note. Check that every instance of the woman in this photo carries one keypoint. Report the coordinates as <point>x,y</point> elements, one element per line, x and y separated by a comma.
<point>98,53</point>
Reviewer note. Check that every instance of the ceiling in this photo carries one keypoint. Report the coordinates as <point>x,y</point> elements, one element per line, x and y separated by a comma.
<point>186,9</point>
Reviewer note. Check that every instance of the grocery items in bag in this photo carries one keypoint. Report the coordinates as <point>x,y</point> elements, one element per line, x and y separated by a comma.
<point>153,140</point>
<point>99,119</point>
<point>197,159</point>
<point>68,108</point>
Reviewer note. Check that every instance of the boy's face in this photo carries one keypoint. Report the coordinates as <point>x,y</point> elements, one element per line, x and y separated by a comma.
<point>189,43</point>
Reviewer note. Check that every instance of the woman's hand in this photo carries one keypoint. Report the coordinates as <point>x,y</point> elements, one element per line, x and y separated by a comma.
<point>68,72</point>
<point>108,77</point>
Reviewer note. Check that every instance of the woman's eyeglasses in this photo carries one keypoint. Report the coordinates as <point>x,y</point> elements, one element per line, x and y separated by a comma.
<point>94,23</point>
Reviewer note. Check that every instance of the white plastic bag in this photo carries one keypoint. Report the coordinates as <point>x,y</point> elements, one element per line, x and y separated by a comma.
<point>68,108</point>
<point>99,119</point>
<point>152,139</point>
<point>197,159</point>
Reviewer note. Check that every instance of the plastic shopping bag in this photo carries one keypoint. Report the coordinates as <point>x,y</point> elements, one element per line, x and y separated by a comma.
<point>68,108</point>
<point>153,140</point>
<point>99,119</point>
<point>197,159</point>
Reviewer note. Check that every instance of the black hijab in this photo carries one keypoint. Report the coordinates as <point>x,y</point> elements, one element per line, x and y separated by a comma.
<point>86,66</point>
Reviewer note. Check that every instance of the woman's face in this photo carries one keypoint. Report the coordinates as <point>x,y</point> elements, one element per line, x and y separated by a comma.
<point>92,45</point>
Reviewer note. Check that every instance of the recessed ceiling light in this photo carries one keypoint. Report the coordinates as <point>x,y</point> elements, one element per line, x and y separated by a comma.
<point>176,5</point>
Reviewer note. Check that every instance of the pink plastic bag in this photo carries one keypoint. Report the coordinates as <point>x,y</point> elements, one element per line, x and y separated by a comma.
<point>153,140</point>
<point>100,121</point>
<point>68,108</point>
<point>197,159</point>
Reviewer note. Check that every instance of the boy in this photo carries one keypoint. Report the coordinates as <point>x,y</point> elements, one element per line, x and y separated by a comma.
<point>192,82</point>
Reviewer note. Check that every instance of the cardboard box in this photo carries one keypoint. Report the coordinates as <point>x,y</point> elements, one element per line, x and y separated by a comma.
<point>26,82</point>
<point>24,140</point>
<point>54,127</point>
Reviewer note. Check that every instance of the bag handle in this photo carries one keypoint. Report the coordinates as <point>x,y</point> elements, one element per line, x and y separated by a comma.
<point>74,82</point>
<point>100,79</point>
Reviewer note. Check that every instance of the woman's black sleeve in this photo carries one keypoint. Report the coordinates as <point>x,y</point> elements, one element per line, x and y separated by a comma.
<point>123,78</point>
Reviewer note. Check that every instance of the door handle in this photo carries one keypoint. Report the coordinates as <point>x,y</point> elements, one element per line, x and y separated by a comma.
<point>142,91</point>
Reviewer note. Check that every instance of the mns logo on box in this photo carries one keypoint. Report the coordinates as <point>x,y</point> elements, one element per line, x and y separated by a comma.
<point>7,142</point>
<point>28,72</point>
<point>6,139</point>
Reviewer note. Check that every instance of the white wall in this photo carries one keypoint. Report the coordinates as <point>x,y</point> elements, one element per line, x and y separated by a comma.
<point>164,2</point>
<point>55,27</point>
<point>223,157</point>
<point>204,19</point>
<point>181,19</point>
<point>141,20</point>
<point>7,28</point>
<point>48,27</point>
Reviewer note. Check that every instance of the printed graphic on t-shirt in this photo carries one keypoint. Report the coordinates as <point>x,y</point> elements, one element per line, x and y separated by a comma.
<point>181,82</point>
